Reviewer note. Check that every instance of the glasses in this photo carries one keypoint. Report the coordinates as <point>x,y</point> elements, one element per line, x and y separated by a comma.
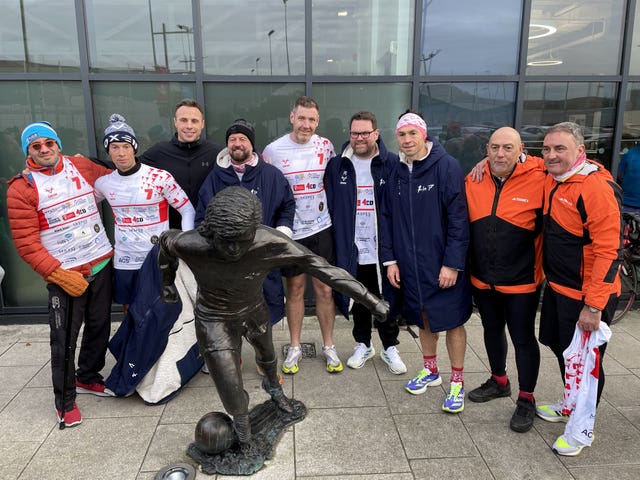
<point>38,146</point>
<point>363,135</point>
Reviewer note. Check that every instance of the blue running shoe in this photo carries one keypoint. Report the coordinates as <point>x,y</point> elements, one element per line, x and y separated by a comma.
<point>454,403</point>
<point>424,379</point>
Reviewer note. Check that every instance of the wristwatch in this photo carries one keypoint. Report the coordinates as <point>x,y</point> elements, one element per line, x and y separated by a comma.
<point>592,309</point>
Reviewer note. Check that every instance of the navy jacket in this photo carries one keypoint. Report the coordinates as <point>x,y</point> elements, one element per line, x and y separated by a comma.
<point>341,187</point>
<point>423,226</point>
<point>278,209</point>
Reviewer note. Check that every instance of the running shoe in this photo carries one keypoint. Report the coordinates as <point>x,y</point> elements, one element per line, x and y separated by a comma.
<point>454,402</point>
<point>391,357</point>
<point>290,364</point>
<point>334,365</point>
<point>361,353</point>
<point>552,413</point>
<point>424,379</point>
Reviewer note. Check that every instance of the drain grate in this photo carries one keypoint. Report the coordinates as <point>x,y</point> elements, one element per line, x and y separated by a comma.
<point>308,350</point>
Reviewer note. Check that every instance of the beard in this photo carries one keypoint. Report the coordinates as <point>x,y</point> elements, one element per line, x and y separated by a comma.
<point>240,155</point>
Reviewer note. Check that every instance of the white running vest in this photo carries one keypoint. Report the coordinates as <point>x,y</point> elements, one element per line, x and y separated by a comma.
<point>70,225</point>
<point>304,166</point>
<point>140,205</point>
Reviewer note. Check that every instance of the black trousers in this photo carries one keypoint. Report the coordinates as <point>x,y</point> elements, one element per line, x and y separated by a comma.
<point>518,313</point>
<point>362,319</point>
<point>558,319</point>
<point>93,309</point>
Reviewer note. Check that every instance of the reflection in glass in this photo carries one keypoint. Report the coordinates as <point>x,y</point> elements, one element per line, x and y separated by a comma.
<point>253,37</point>
<point>462,116</point>
<point>568,37</point>
<point>338,102</point>
<point>362,38</point>
<point>59,103</point>
<point>631,124</point>
<point>38,37</point>
<point>482,40</point>
<point>589,104</point>
<point>140,36</point>
<point>634,67</point>
<point>148,108</point>
<point>265,105</point>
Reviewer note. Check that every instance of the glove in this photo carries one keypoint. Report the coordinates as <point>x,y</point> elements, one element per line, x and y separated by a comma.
<point>169,294</point>
<point>380,311</point>
<point>70,281</point>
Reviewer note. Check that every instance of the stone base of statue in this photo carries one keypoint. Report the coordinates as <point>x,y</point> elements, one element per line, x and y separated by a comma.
<point>218,450</point>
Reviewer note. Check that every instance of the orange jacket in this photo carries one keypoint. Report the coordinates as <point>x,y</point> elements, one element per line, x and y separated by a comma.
<point>22,204</point>
<point>582,235</point>
<point>505,221</point>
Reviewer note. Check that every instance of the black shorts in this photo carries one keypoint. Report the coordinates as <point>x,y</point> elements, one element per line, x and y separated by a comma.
<point>321,244</point>
<point>124,282</point>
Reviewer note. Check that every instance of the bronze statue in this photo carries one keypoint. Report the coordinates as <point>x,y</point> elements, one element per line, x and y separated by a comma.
<point>230,255</point>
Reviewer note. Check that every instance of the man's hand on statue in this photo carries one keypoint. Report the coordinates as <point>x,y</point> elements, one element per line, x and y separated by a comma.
<point>380,311</point>
<point>170,294</point>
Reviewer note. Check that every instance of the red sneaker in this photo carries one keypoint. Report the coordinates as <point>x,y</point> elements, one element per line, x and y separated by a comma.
<point>72,417</point>
<point>94,388</point>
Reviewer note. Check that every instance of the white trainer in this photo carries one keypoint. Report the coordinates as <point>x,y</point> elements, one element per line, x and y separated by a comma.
<point>361,353</point>
<point>391,357</point>
<point>334,365</point>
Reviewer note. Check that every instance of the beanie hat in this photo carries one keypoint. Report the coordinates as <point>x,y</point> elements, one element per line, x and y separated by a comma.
<point>242,126</point>
<point>119,131</point>
<point>38,130</point>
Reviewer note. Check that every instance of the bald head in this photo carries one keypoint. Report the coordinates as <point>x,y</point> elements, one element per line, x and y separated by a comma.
<point>503,150</point>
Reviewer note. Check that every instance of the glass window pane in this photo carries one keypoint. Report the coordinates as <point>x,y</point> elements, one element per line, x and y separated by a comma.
<point>338,102</point>
<point>634,67</point>
<point>568,37</point>
<point>147,107</point>
<point>631,124</point>
<point>589,104</point>
<point>38,37</point>
<point>362,38</point>
<point>467,37</point>
<point>265,105</point>
<point>253,37</point>
<point>463,115</point>
<point>21,103</point>
<point>137,36</point>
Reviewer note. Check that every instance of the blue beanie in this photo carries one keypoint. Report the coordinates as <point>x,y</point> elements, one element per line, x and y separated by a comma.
<point>119,131</point>
<point>38,130</point>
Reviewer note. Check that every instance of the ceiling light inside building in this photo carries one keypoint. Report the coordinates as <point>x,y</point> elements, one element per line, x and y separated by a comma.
<point>343,13</point>
<point>544,63</point>
<point>537,30</point>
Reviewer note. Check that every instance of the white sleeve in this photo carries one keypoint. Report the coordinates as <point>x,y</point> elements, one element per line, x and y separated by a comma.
<point>188,216</point>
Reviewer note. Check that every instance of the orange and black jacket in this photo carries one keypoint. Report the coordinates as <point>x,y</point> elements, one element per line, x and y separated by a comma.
<point>582,235</point>
<point>505,220</point>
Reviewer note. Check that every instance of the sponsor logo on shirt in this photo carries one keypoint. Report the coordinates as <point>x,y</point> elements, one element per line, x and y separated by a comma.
<point>520,199</point>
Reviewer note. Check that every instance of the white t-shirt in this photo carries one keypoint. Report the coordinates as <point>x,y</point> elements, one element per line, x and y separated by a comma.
<point>304,166</point>
<point>140,204</point>
<point>366,238</point>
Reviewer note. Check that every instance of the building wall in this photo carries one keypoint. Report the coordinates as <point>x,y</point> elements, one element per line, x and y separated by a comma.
<point>468,66</point>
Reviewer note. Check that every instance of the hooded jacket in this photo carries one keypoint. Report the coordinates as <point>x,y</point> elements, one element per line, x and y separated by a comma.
<point>506,222</point>
<point>341,187</point>
<point>424,226</point>
<point>278,208</point>
<point>582,240</point>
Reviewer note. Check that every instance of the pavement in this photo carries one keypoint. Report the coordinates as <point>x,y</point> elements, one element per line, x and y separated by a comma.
<point>361,424</point>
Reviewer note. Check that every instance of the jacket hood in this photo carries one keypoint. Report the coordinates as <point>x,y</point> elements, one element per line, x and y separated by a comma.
<point>436,152</point>
<point>223,159</point>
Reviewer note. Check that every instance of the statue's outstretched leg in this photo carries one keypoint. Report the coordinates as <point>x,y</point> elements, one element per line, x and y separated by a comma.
<point>272,383</point>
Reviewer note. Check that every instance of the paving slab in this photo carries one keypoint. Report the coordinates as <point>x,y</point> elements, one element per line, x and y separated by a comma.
<point>109,448</point>
<point>14,457</point>
<point>462,467</point>
<point>343,441</point>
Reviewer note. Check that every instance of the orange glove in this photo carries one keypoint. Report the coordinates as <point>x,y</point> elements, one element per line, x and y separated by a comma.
<point>71,281</point>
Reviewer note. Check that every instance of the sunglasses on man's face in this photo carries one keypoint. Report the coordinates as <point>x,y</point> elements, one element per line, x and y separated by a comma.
<point>38,146</point>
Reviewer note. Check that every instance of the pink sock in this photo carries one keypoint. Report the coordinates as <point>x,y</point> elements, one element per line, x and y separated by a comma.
<point>430,363</point>
<point>456,375</point>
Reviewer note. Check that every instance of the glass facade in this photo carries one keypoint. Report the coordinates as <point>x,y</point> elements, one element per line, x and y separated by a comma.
<point>468,66</point>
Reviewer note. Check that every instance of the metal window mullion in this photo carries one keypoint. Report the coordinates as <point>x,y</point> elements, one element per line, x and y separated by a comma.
<point>81,27</point>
